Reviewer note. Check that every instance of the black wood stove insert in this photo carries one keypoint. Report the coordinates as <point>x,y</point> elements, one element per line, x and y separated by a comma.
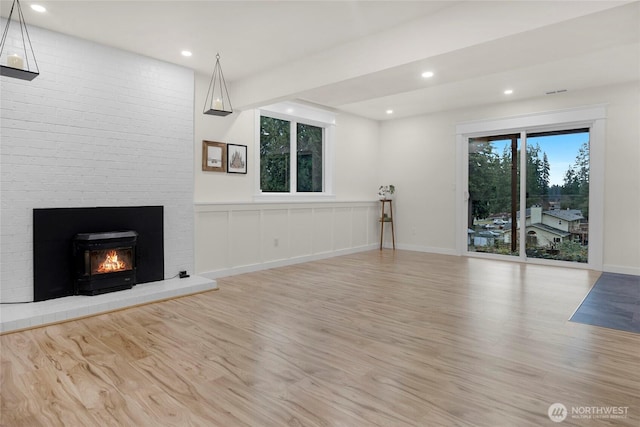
<point>57,232</point>
<point>104,262</point>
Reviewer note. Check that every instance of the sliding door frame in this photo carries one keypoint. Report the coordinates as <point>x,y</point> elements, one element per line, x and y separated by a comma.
<point>593,118</point>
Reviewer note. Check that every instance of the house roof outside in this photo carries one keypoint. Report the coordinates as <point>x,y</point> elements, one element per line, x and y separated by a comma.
<point>546,228</point>
<point>566,214</point>
<point>550,229</point>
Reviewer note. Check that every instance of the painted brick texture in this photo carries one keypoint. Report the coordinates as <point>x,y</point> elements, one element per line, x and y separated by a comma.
<point>98,127</point>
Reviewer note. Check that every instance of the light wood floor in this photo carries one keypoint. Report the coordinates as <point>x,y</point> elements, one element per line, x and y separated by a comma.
<point>372,339</point>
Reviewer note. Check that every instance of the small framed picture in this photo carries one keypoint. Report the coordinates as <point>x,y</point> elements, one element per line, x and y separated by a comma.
<point>214,156</point>
<point>236,158</point>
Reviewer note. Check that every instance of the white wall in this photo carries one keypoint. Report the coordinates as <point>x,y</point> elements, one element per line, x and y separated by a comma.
<point>419,157</point>
<point>358,165</point>
<point>234,234</point>
<point>97,127</point>
<point>102,127</point>
<point>356,153</point>
<point>236,128</point>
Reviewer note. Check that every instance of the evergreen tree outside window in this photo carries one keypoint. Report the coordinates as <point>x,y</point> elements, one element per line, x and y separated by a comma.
<point>275,151</point>
<point>295,153</point>
<point>556,215</point>
<point>309,152</point>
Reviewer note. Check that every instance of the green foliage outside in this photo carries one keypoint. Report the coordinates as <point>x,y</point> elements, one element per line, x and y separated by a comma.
<point>576,183</point>
<point>309,152</point>
<point>565,251</point>
<point>275,152</point>
<point>490,193</point>
<point>275,147</point>
<point>490,181</point>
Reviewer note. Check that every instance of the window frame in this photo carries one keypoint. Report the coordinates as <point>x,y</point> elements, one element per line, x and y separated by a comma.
<point>298,113</point>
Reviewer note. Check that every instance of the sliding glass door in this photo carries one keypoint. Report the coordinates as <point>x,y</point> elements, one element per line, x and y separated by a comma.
<point>494,194</point>
<point>550,218</point>
<point>557,214</point>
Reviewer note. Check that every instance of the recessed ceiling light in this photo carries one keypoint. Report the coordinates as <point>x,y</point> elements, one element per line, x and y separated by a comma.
<point>389,111</point>
<point>427,74</point>
<point>289,110</point>
<point>186,53</point>
<point>38,8</point>
<point>508,91</point>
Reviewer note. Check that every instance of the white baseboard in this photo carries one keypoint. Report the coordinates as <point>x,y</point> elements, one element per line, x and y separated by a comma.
<point>634,271</point>
<point>428,249</point>
<point>283,262</point>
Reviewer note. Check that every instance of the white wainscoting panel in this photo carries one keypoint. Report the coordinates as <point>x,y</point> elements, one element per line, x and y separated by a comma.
<point>213,253</point>
<point>323,230</point>
<point>300,233</point>
<point>343,231</point>
<point>244,237</point>
<point>359,231</point>
<point>233,238</point>
<point>275,235</point>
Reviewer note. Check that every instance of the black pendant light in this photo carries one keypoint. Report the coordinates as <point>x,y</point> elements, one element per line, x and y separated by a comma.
<point>21,62</point>
<point>217,102</point>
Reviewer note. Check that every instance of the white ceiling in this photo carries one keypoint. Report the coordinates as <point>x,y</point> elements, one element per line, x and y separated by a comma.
<point>381,46</point>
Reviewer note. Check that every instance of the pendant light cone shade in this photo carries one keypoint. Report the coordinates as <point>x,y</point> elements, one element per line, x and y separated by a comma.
<point>217,102</point>
<point>17,59</point>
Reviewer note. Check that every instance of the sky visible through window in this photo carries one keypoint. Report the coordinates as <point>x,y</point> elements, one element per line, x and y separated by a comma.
<point>561,151</point>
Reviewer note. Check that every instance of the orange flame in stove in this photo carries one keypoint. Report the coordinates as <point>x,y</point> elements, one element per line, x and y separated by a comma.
<point>111,263</point>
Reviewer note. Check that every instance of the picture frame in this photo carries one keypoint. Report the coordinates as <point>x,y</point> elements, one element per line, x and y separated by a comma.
<point>214,156</point>
<point>236,158</point>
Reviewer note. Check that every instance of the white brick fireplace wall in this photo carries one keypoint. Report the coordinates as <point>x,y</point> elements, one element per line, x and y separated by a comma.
<point>98,127</point>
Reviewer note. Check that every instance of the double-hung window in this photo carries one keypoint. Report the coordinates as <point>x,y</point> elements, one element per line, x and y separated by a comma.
<point>294,159</point>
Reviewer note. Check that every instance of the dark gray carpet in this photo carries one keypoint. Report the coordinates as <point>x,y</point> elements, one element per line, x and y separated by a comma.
<point>613,302</point>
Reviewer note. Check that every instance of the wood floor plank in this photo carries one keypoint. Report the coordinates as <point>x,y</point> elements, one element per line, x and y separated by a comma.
<point>380,338</point>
